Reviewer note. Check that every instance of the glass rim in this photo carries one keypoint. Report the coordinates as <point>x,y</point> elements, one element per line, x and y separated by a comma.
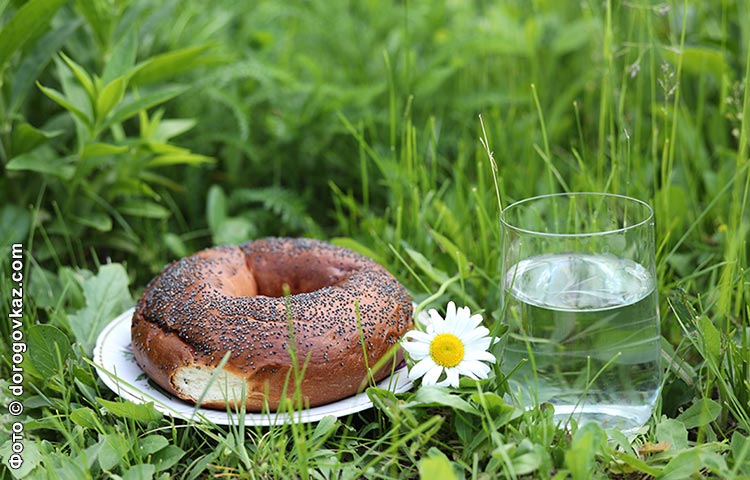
<point>649,217</point>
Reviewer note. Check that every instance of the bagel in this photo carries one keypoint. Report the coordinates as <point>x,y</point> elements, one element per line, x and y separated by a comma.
<point>247,303</point>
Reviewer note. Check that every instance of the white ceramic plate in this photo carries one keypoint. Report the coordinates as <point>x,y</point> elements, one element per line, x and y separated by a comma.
<point>115,364</point>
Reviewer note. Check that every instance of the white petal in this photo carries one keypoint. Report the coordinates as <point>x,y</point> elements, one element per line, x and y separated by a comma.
<point>477,342</point>
<point>461,328</point>
<point>478,331</point>
<point>415,350</point>
<point>421,368</point>
<point>443,383</point>
<point>424,319</point>
<point>456,327</point>
<point>475,319</point>
<point>465,371</point>
<point>463,313</point>
<point>418,336</point>
<point>432,375</point>
<point>479,368</point>
<point>479,356</point>
<point>437,320</point>
<point>474,371</point>
<point>452,376</point>
<point>465,323</point>
<point>450,312</point>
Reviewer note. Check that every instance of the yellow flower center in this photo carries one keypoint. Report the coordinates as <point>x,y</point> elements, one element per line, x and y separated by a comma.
<point>447,350</point>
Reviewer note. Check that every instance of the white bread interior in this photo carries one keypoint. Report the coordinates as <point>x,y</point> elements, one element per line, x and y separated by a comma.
<point>192,382</point>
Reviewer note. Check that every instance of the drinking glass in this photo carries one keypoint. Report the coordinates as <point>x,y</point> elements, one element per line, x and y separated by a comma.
<point>580,301</point>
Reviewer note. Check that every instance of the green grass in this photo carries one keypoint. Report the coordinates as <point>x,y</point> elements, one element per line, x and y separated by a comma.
<point>137,132</point>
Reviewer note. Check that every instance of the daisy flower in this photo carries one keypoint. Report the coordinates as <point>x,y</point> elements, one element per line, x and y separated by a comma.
<point>454,345</point>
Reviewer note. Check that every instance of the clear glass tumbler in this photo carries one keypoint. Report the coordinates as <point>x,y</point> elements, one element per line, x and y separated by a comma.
<point>580,300</point>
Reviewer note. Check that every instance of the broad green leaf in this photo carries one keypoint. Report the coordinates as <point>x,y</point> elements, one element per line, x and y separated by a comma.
<point>110,96</point>
<point>496,407</point>
<point>637,464</point>
<point>121,63</point>
<point>26,138</point>
<point>526,463</point>
<point>82,76</point>
<point>673,432</point>
<point>34,62</point>
<point>140,412</point>
<point>175,245</point>
<point>170,64</point>
<point>50,348</point>
<point>43,162</point>
<point>740,447</point>
<point>167,457</point>
<point>102,149</point>
<point>15,223</point>
<point>524,458</point>
<point>139,472</point>
<point>148,124</point>
<point>61,100</point>
<point>170,128</point>
<point>72,281</point>
<point>429,395</point>
<point>27,23</point>
<point>97,220</point>
<point>152,444</point>
<point>216,207</point>
<point>107,296</point>
<point>382,398</point>
<point>112,448</point>
<point>31,456</point>
<point>85,417</point>
<point>692,462</point>
<point>163,148</point>
<point>44,287</point>
<point>711,339</point>
<point>131,106</point>
<point>132,187</point>
<point>75,467</point>
<point>435,274</point>
<point>201,467</point>
<point>581,457</point>
<point>233,231</point>
<point>325,427</point>
<point>700,414</point>
<point>436,467</point>
<point>143,208</point>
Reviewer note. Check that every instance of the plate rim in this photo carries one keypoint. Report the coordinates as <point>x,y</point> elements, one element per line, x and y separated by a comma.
<point>125,388</point>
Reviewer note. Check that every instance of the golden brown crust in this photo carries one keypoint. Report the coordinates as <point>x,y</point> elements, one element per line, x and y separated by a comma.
<point>231,299</point>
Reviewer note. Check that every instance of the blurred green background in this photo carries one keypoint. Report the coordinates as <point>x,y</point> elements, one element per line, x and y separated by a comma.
<point>136,132</point>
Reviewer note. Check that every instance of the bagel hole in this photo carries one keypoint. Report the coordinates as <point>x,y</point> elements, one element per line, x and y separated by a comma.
<point>279,287</point>
<point>300,274</point>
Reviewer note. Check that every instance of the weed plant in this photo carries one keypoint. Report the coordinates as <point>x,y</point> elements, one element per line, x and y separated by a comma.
<point>135,132</point>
